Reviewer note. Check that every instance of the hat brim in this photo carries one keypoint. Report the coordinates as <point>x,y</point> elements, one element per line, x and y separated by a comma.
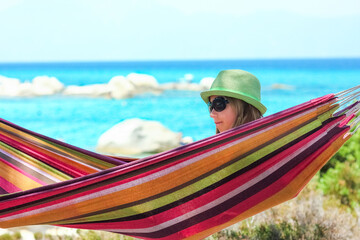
<point>206,94</point>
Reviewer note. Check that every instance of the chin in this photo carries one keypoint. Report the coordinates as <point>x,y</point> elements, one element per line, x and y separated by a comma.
<point>224,130</point>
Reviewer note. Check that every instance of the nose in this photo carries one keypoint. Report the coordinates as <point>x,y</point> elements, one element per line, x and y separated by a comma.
<point>213,113</point>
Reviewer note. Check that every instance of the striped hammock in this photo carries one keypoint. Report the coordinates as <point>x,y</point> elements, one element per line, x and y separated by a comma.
<point>188,192</point>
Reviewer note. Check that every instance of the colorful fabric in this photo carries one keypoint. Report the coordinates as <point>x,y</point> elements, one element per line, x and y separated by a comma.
<point>188,192</point>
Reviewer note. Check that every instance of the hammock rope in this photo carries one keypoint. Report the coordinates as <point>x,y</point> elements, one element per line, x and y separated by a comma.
<point>187,192</point>
<point>344,92</point>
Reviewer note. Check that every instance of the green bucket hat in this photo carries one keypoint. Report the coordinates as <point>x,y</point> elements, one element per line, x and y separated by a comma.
<point>236,84</point>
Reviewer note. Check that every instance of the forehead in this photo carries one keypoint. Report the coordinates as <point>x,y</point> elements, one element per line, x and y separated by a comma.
<point>211,98</point>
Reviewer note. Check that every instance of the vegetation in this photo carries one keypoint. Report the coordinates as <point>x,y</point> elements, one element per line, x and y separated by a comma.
<point>349,152</point>
<point>305,217</point>
<point>341,176</point>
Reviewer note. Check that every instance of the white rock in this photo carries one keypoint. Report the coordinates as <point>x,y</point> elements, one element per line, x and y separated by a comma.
<point>136,136</point>
<point>44,85</point>
<point>206,82</point>
<point>26,89</point>
<point>6,80</point>
<point>121,87</point>
<point>62,232</point>
<point>41,85</point>
<point>142,80</point>
<point>4,231</point>
<point>26,235</point>
<point>9,87</point>
<point>168,86</point>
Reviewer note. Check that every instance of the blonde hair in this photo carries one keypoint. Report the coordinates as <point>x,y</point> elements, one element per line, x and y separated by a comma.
<point>245,112</point>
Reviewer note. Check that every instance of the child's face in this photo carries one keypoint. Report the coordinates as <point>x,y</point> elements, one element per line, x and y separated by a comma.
<point>225,119</point>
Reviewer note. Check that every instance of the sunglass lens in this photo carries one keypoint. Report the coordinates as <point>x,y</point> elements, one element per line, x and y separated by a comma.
<point>219,104</point>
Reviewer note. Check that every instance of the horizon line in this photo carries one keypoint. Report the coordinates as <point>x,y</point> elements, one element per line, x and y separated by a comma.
<point>178,60</point>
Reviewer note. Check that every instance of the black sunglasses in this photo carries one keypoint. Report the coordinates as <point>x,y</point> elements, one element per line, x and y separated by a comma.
<point>219,104</point>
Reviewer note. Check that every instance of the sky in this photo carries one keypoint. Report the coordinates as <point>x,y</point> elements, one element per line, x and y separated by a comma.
<point>128,30</point>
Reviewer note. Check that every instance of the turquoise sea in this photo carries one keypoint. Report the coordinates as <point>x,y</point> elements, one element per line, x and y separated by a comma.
<point>81,121</point>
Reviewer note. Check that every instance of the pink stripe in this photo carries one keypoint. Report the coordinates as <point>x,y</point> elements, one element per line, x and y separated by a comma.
<point>8,186</point>
<point>347,120</point>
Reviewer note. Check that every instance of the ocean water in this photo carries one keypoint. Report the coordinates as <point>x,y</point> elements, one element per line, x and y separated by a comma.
<point>81,121</point>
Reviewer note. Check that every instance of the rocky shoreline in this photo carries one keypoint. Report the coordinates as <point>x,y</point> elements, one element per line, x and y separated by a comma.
<point>118,87</point>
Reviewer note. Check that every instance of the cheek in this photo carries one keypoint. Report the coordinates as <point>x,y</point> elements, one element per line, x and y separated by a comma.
<point>231,116</point>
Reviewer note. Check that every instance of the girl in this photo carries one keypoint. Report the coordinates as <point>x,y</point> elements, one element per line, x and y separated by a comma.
<point>234,99</point>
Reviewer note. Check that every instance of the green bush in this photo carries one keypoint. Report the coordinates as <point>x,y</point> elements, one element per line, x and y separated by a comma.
<point>6,236</point>
<point>349,152</point>
<point>10,236</point>
<point>343,182</point>
<point>340,177</point>
<point>280,231</point>
<point>287,231</point>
